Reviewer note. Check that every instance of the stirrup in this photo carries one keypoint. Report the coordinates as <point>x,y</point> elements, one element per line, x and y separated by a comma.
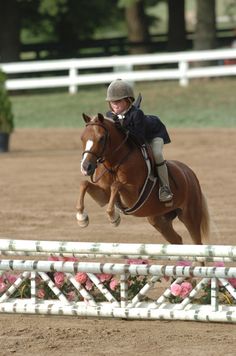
<point>165,194</point>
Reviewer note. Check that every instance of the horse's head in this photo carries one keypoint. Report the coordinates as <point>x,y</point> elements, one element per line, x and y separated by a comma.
<point>94,140</point>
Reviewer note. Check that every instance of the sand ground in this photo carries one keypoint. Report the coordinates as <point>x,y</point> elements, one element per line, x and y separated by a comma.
<point>39,180</point>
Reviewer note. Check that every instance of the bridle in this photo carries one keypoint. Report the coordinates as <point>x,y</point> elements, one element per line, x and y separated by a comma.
<point>100,158</point>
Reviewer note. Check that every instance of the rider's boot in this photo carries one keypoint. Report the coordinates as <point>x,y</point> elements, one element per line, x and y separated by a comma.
<point>165,193</point>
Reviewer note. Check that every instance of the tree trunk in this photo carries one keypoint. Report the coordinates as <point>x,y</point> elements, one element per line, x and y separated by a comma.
<point>137,25</point>
<point>9,30</point>
<point>205,32</point>
<point>176,26</point>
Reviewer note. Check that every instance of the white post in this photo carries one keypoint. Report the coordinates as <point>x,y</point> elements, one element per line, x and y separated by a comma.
<point>183,70</point>
<point>214,294</point>
<point>72,75</point>
<point>123,290</point>
<point>33,276</point>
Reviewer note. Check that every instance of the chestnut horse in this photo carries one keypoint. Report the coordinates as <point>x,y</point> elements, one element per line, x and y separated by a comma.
<point>118,171</point>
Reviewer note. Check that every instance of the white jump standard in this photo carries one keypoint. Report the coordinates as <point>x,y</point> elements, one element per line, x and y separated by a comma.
<point>97,299</point>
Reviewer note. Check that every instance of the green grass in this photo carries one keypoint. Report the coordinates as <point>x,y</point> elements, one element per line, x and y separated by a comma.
<point>204,103</point>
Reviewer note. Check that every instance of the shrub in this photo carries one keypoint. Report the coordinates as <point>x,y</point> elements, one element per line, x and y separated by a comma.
<point>6,115</point>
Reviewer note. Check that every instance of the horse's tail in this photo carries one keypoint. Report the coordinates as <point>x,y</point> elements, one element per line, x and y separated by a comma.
<point>205,222</point>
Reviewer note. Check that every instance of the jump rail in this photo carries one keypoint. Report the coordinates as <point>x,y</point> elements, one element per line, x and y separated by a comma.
<point>93,280</point>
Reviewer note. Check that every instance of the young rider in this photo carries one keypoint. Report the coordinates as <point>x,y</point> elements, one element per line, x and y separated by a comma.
<point>147,128</point>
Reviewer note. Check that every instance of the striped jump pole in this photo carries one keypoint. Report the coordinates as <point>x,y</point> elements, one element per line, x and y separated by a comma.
<point>132,281</point>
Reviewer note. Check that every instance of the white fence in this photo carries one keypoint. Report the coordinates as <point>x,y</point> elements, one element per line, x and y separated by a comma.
<point>131,68</point>
<point>32,286</point>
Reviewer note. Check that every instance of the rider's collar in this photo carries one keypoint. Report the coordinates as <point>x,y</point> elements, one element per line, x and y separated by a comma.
<point>121,116</point>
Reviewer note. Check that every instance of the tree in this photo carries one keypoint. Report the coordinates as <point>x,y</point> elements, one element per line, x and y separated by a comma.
<point>205,32</point>
<point>137,26</point>
<point>176,25</point>
<point>9,30</point>
<point>62,21</point>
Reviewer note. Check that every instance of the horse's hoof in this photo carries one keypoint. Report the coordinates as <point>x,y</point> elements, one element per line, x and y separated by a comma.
<point>116,222</point>
<point>82,219</point>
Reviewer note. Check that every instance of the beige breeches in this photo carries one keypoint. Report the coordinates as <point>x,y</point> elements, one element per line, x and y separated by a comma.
<point>157,146</point>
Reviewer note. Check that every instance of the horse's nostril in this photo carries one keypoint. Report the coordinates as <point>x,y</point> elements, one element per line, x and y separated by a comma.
<point>89,168</point>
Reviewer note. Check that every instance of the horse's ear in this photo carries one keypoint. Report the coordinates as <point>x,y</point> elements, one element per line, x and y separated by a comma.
<point>86,118</point>
<point>100,117</point>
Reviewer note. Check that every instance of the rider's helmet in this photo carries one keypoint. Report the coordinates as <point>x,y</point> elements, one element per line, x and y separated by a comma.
<point>119,89</point>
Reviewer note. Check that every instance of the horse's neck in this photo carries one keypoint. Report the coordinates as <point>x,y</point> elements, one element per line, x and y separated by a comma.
<point>127,161</point>
<point>124,151</point>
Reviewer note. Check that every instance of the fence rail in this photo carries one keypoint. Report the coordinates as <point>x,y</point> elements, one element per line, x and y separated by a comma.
<point>71,73</point>
<point>103,285</point>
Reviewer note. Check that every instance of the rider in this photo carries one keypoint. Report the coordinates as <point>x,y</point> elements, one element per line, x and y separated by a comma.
<point>147,128</point>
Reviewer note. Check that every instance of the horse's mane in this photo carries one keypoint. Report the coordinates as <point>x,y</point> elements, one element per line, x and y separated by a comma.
<point>94,118</point>
<point>109,119</point>
<point>131,141</point>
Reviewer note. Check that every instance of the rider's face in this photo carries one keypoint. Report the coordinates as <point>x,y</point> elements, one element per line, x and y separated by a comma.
<point>119,106</point>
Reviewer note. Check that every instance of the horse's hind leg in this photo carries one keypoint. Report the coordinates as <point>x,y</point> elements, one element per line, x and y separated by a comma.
<point>163,224</point>
<point>193,224</point>
<point>97,193</point>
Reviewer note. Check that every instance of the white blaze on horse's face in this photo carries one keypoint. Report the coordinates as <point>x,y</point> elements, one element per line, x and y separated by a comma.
<point>88,146</point>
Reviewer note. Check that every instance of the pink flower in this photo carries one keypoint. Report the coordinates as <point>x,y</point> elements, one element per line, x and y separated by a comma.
<point>89,285</point>
<point>11,278</point>
<point>219,264</point>
<point>114,284</point>
<point>183,263</point>
<point>186,288</point>
<point>59,279</point>
<point>137,261</point>
<point>3,287</point>
<point>81,277</point>
<point>175,289</point>
<point>71,296</point>
<point>71,259</point>
<point>2,278</point>
<point>53,258</point>
<point>41,293</point>
<point>104,277</point>
<point>232,281</point>
<point>38,280</point>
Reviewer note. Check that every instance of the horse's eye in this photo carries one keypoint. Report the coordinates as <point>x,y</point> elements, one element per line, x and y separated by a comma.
<point>102,140</point>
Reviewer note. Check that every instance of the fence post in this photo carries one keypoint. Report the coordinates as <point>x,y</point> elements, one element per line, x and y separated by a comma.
<point>72,75</point>
<point>183,71</point>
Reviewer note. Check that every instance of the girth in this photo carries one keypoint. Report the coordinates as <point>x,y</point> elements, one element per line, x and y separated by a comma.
<point>147,188</point>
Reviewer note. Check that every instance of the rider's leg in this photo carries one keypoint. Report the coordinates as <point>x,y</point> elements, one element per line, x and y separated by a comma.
<point>165,193</point>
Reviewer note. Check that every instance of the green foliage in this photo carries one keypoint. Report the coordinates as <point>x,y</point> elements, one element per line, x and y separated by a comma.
<point>230,8</point>
<point>66,21</point>
<point>127,3</point>
<point>52,8</point>
<point>6,116</point>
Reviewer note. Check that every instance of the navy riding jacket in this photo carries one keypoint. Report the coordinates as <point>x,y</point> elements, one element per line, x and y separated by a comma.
<point>144,127</point>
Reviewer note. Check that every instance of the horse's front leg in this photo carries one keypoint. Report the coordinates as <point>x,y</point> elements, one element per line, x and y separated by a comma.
<point>96,192</point>
<point>112,211</point>
<point>82,216</point>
